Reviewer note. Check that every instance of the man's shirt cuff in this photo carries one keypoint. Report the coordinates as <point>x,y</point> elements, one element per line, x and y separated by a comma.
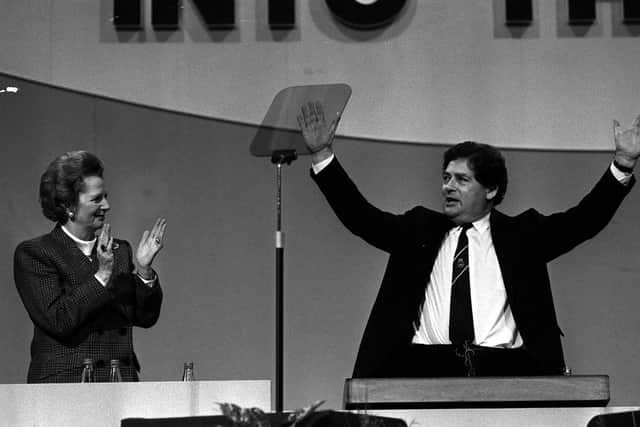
<point>317,167</point>
<point>622,177</point>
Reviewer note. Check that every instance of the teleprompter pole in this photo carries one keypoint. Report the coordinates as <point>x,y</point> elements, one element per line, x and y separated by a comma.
<point>279,158</point>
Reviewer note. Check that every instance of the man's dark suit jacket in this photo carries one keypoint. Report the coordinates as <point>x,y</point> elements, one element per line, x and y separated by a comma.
<point>74,316</point>
<point>524,245</point>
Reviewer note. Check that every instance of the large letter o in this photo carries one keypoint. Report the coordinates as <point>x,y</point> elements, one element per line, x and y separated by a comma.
<point>365,14</point>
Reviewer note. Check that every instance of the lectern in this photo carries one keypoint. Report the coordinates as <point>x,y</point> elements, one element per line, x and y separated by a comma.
<point>566,401</point>
<point>477,392</point>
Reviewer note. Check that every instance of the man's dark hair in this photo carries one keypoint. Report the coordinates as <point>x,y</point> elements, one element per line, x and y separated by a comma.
<point>487,164</point>
<point>63,181</point>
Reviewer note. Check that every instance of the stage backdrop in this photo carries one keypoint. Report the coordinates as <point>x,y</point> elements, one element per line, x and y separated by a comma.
<point>443,71</point>
<point>218,271</point>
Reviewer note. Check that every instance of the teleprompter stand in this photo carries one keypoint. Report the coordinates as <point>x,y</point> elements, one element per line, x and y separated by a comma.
<point>279,138</point>
<point>279,158</point>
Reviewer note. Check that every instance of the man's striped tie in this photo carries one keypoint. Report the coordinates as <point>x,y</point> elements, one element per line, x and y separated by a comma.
<point>460,316</point>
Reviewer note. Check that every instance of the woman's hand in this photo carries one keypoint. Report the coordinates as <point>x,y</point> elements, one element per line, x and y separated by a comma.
<point>149,246</point>
<point>104,252</point>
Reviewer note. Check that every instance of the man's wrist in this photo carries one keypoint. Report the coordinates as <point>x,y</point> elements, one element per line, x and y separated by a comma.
<point>624,163</point>
<point>321,155</point>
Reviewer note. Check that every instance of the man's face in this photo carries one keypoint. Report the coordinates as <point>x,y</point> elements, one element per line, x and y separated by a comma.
<point>464,199</point>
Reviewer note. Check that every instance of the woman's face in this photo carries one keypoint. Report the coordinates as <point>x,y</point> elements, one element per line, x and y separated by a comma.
<point>89,213</point>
